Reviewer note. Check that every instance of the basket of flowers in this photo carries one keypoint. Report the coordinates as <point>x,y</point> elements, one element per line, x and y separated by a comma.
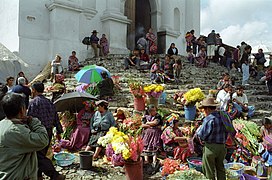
<point>123,149</point>
<point>191,97</point>
<point>136,89</point>
<point>153,92</point>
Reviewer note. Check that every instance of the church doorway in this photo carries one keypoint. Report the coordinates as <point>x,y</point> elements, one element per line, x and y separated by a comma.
<point>139,12</point>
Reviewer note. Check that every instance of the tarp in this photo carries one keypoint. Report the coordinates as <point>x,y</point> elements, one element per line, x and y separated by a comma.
<point>10,64</point>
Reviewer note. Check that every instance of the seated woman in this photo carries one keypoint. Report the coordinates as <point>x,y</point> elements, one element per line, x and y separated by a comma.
<point>152,123</point>
<point>143,59</point>
<point>56,67</point>
<point>156,75</point>
<point>168,66</point>
<point>225,80</point>
<point>201,58</point>
<point>80,135</point>
<point>100,125</point>
<point>174,142</point>
<point>73,64</point>
<point>58,87</point>
<point>105,86</point>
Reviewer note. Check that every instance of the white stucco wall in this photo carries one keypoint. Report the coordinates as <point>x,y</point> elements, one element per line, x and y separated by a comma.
<point>9,10</point>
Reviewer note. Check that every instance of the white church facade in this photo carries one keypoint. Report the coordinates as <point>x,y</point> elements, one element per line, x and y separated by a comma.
<point>39,29</point>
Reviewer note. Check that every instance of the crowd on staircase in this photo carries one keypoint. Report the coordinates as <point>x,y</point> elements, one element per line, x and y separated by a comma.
<point>215,132</point>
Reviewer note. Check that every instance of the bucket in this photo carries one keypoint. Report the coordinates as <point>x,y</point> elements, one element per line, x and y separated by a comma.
<point>190,112</point>
<point>86,159</point>
<point>162,99</point>
<point>134,170</point>
<point>139,104</point>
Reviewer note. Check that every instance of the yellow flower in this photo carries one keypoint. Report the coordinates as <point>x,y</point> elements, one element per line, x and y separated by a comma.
<point>113,130</point>
<point>194,95</point>
<point>126,154</point>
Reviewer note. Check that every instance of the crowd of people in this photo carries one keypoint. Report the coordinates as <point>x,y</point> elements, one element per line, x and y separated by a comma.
<point>27,125</point>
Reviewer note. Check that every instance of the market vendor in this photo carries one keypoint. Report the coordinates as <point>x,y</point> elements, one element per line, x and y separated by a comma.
<point>100,124</point>
<point>152,123</point>
<point>58,87</point>
<point>81,133</point>
<point>214,135</point>
<point>105,86</point>
<point>174,142</point>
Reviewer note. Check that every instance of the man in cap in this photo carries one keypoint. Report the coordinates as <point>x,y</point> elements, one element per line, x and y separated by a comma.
<point>214,134</point>
<point>94,43</point>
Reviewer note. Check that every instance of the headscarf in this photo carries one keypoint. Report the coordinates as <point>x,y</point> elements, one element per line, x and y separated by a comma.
<point>171,119</point>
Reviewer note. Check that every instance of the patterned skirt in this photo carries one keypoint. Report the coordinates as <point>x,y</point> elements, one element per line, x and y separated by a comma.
<point>152,139</point>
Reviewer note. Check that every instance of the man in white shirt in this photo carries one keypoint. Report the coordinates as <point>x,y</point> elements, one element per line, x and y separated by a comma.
<point>224,96</point>
<point>241,102</point>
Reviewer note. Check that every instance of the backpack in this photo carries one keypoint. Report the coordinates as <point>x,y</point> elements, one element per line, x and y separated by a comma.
<point>86,41</point>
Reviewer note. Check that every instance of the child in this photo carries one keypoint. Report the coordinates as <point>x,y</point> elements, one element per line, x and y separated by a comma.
<point>191,56</point>
<point>266,132</point>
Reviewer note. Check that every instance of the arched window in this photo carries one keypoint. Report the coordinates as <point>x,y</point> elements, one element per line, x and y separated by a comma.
<point>176,20</point>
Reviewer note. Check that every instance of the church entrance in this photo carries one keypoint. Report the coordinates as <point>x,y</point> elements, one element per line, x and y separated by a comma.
<point>139,12</point>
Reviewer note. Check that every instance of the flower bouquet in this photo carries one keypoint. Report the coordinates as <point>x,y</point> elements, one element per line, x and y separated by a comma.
<point>132,125</point>
<point>136,89</point>
<point>153,90</point>
<point>171,165</point>
<point>121,147</point>
<point>193,96</point>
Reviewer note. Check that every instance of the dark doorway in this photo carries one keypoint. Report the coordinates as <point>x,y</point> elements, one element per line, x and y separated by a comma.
<point>138,11</point>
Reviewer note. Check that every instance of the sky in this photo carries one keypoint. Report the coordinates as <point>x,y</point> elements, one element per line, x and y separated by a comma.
<point>238,20</point>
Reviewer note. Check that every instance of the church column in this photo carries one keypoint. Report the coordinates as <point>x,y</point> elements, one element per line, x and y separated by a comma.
<point>114,25</point>
<point>89,8</point>
<point>166,16</point>
<point>64,27</point>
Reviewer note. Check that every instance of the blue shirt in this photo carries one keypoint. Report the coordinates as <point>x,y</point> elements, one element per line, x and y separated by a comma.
<point>213,129</point>
<point>267,157</point>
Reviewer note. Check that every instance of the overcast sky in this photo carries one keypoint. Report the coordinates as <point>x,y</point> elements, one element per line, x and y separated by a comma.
<point>238,20</point>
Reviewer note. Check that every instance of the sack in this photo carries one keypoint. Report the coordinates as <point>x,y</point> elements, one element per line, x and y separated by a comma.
<point>86,41</point>
<point>261,61</point>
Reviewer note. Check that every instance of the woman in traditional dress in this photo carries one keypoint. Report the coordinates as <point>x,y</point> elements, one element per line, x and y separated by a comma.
<point>73,64</point>
<point>151,39</point>
<point>152,124</point>
<point>80,136</point>
<point>174,142</point>
<point>201,58</point>
<point>105,45</point>
<point>100,124</point>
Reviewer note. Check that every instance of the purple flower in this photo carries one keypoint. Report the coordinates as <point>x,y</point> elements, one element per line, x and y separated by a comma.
<point>109,150</point>
<point>117,160</point>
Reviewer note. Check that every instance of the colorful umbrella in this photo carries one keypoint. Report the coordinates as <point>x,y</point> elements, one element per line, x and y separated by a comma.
<point>90,74</point>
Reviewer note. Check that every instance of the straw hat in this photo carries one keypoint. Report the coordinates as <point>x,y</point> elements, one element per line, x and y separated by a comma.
<point>210,101</point>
